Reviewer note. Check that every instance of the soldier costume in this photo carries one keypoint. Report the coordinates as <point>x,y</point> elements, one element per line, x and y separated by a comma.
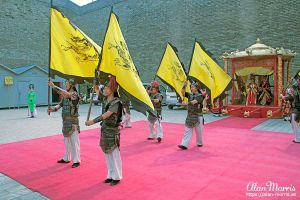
<point>71,129</point>
<point>110,133</point>
<point>294,98</point>
<point>194,119</point>
<point>154,121</point>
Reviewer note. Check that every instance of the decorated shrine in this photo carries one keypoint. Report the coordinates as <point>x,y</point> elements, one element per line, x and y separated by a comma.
<point>259,74</point>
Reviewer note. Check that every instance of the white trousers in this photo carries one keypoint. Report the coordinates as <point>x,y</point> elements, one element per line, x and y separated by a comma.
<point>34,113</point>
<point>126,121</point>
<point>296,128</point>
<point>72,146</point>
<point>114,165</point>
<point>188,132</point>
<point>156,129</point>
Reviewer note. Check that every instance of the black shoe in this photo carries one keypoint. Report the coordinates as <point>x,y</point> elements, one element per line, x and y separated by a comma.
<point>149,138</point>
<point>200,145</point>
<point>158,139</point>
<point>75,165</point>
<point>62,161</point>
<point>295,141</point>
<point>182,147</point>
<point>108,180</point>
<point>114,182</point>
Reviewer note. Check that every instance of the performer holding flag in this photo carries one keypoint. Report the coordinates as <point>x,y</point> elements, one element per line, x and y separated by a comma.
<point>294,97</point>
<point>75,66</point>
<point>117,64</point>
<point>194,117</point>
<point>172,73</point>
<point>206,70</point>
<point>110,133</point>
<point>155,126</point>
<point>71,130</point>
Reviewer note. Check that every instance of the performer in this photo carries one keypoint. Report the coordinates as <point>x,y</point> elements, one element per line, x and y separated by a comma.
<point>205,100</point>
<point>31,101</point>
<point>194,117</point>
<point>71,130</point>
<point>265,95</point>
<point>155,126</point>
<point>110,134</point>
<point>218,107</point>
<point>251,92</point>
<point>126,112</point>
<point>240,90</point>
<point>286,104</point>
<point>100,95</point>
<point>295,118</point>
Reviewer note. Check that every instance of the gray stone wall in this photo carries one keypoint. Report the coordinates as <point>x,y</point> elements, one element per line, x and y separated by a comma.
<point>221,25</point>
<point>24,30</point>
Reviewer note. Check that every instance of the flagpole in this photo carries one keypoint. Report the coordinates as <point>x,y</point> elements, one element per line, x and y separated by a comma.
<point>49,61</point>
<point>92,93</point>
<point>97,70</point>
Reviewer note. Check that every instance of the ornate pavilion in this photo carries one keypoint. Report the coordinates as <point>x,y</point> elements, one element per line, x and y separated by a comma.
<point>259,74</point>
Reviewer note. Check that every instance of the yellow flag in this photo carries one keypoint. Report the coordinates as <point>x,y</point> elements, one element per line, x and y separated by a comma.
<point>116,60</point>
<point>207,71</point>
<point>171,71</point>
<point>73,54</point>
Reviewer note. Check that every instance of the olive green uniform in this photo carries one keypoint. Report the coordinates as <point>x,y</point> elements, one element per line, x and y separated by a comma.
<point>71,127</point>
<point>295,118</point>
<point>155,126</point>
<point>194,119</point>
<point>110,139</point>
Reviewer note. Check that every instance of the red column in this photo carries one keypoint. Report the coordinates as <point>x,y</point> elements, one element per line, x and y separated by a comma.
<point>275,82</point>
<point>232,75</point>
<point>288,71</point>
<point>226,70</point>
<point>279,82</point>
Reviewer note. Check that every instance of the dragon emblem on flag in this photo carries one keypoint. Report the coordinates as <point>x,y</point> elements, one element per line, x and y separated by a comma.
<point>124,59</point>
<point>208,69</point>
<point>178,73</point>
<point>82,48</point>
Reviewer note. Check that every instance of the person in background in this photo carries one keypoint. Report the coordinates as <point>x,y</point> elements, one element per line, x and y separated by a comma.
<point>127,115</point>
<point>31,101</point>
<point>264,92</point>
<point>251,92</point>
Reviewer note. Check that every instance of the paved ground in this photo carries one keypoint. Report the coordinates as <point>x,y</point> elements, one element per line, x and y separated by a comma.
<point>16,126</point>
<point>275,125</point>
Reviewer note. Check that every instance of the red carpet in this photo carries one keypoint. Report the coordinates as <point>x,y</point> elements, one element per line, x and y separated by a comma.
<point>232,156</point>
